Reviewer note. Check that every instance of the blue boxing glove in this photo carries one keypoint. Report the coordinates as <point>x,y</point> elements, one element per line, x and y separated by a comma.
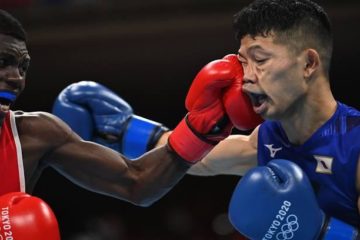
<point>277,201</point>
<point>98,114</point>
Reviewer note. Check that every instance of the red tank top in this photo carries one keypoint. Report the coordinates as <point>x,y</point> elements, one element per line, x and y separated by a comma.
<point>11,162</point>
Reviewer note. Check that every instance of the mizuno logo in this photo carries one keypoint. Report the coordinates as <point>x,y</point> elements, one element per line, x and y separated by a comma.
<point>272,150</point>
<point>324,164</point>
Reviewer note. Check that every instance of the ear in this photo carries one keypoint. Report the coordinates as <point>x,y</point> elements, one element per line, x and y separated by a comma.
<point>312,62</point>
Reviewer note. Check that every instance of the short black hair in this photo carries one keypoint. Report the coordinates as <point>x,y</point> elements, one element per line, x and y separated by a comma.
<point>298,23</point>
<point>9,25</point>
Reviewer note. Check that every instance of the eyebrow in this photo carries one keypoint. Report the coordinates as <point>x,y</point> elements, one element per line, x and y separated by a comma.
<point>251,49</point>
<point>13,58</point>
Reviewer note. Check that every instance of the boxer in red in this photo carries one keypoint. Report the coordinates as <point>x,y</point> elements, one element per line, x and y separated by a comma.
<point>33,141</point>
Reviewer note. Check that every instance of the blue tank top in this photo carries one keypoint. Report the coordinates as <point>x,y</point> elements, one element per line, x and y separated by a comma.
<point>329,159</point>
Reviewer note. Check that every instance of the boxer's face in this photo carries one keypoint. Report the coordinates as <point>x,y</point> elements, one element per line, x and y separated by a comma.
<point>14,62</point>
<point>273,76</point>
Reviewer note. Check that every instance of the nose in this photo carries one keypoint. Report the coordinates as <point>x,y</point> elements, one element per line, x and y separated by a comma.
<point>14,77</point>
<point>249,74</point>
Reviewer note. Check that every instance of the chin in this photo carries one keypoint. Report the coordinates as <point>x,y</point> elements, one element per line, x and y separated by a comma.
<point>270,116</point>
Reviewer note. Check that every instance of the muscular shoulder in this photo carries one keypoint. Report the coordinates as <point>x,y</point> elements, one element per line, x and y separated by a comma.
<point>41,126</point>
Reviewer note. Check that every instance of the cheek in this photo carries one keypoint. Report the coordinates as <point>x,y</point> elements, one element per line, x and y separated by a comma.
<point>22,84</point>
<point>283,82</point>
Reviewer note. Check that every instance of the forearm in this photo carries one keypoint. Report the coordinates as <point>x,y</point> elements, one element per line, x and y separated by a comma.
<point>163,139</point>
<point>102,170</point>
<point>221,160</point>
<point>161,169</point>
<point>201,168</point>
<point>233,156</point>
<point>216,162</point>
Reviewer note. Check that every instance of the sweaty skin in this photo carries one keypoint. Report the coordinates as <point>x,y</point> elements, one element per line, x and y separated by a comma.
<point>48,142</point>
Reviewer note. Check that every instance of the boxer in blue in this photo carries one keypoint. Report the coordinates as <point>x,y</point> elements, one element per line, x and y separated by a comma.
<point>285,51</point>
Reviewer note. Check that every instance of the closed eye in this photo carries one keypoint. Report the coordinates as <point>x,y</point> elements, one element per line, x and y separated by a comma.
<point>261,61</point>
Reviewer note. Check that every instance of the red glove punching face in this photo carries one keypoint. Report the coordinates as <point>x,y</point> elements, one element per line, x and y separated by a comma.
<point>25,217</point>
<point>206,122</point>
<point>237,104</point>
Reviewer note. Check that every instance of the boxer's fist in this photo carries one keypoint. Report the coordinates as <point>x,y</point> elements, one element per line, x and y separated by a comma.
<point>206,122</point>
<point>76,115</point>
<point>277,201</point>
<point>25,217</point>
<point>237,104</point>
<point>98,114</point>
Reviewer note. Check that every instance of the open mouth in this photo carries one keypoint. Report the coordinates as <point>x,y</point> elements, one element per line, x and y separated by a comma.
<point>6,99</point>
<point>257,99</point>
<point>5,104</point>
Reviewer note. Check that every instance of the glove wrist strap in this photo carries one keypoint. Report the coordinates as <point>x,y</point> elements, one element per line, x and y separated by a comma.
<point>187,144</point>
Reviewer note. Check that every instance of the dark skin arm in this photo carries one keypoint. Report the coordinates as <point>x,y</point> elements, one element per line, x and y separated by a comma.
<point>48,142</point>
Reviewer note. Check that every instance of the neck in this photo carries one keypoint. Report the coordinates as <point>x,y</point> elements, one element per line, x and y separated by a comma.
<point>311,113</point>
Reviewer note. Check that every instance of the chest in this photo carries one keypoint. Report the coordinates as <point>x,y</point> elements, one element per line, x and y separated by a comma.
<point>329,161</point>
<point>33,152</point>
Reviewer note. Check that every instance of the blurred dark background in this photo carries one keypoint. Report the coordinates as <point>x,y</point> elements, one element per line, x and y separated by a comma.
<point>148,52</point>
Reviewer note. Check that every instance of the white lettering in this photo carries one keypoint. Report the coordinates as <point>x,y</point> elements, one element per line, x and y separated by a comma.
<point>283,211</point>
<point>6,224</point>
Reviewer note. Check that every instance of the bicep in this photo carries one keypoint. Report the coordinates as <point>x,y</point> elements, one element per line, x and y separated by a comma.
<point>233,156</point>
<point>103,170</point>
<point>88,164</point>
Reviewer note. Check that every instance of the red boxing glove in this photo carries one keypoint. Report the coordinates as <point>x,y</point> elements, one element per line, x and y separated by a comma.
<point>25,217</point>
<point>206,123</point>
<point>237,103</point>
